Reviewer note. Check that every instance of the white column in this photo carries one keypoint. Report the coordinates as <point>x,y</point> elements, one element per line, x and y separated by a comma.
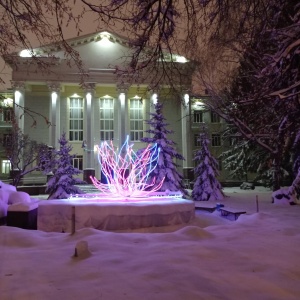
<point>19,102</point>
<point>185,128</point>
<point>89,157</point>
<point>123,117</point>
<point>54,115</point>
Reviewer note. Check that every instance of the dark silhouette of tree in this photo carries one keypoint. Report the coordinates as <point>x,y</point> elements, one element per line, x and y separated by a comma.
<point>262,102</point>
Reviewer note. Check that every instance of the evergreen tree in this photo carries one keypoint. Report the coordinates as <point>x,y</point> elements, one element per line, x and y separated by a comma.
<point>206,187</point>
<point>245,157</point>
<point>62,184</point>
<point>166,168</point>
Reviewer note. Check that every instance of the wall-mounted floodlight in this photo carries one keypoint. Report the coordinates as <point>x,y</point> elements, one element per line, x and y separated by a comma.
<point>186,99</point>
<point>26,53</point>
<point>181,59</point>
<point>89,98</point>
<point>154,98</point>
<point>53,97</point>
<point>105,39</point>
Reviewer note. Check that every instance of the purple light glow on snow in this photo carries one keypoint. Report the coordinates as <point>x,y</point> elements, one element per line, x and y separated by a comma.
<point>126,172</point>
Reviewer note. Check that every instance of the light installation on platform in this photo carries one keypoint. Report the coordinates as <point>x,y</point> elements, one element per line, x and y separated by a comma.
<point>126,172</point>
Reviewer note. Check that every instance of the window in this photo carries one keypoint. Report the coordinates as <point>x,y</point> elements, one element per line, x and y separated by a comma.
<point>215,140</point>
<point>214,117</point>
<point>5,166</point>
<point>198,116</point>
<point>106,119</point>
<point>197,143</point>
<point>7,140</point>
<point>6,114</point>
<point>76,119</point>
<point>136,119</point>
<point>78,162</point>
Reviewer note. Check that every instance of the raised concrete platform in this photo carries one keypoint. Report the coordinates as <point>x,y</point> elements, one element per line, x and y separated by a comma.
<point>111,214</point>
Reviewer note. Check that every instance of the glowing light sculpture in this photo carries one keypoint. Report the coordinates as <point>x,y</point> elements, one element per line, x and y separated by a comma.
<point>127,173</point>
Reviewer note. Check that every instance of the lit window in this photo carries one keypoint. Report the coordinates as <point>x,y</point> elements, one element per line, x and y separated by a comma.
<point>76,119</point>
<point>6,167</point>
<point>136,119</point>
<point>215,140</point>
<point>78,162</point>
<point>6,114</point>
<point>106,119</point>
<point>198,116</point>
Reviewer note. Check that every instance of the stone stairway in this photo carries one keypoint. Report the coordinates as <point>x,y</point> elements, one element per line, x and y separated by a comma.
<point>88,188</point>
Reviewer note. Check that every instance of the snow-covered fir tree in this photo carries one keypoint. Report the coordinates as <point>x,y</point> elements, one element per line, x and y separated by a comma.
<point>166,168</point>
<point>206,186</point>
<point>62,183</point>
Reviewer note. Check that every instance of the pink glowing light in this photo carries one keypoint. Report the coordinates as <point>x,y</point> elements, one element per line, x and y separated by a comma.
<point>126,172</point>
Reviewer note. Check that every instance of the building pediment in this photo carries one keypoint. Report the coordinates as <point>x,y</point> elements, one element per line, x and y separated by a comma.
<point>101,55</point>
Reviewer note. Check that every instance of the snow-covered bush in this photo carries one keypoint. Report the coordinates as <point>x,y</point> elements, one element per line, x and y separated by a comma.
<point>9,197</point>
<point>18,197</point>
<point>5,191</point>
<point>282,196</point>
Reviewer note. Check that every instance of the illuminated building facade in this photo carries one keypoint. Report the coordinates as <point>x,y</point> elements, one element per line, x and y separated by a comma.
<point>101,107</point>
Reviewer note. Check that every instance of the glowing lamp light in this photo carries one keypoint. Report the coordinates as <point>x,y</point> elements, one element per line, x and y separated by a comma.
<point>127,173</point>
<point>105,39</point>
<point>89,99</point>
<point>8,102</point>
<point>186,99</point>
<point>181,59</point>
<point>26,53</point>
<point>54,97</point>
<point>154,99</point>
<point>17,96</point>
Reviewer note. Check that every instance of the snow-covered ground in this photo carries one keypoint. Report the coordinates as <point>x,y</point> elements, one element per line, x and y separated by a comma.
<point>255,257</point>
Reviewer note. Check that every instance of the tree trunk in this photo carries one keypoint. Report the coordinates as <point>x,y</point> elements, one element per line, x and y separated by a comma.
<point>276,174</point>
<point>15,175</point>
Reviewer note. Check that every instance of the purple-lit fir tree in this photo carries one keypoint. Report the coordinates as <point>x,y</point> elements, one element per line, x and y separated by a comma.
<point>62,183</point>
<point>166,168</point>
<point>206,186</point>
